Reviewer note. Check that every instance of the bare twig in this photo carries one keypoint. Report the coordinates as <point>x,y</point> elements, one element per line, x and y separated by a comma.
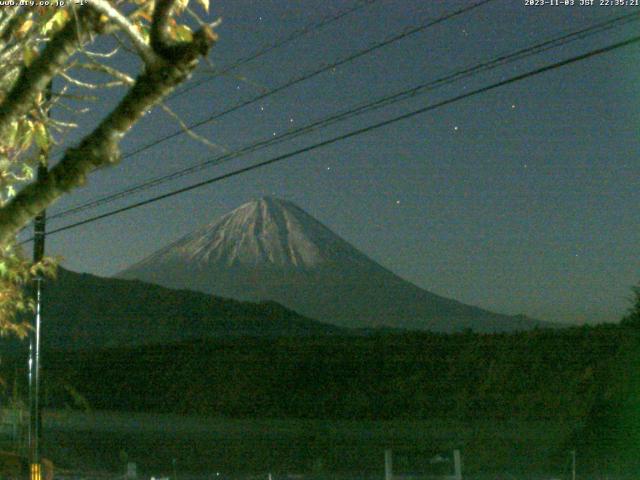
<point>123,44</point>
<point>57,96</point>
<point>89,85</point>
<point>100,54</point>
<point>188,131</point>
<point>107,70</point>
<point>216,23</point>
<point>78,111</point>
<point>144,50</point>
<point>61,126</point>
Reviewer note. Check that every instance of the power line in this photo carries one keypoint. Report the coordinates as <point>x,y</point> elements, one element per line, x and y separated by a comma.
<point>354,56</point>
<point>269,48</point>
<point>289,38</point>
<point>407,32</point>
<point>360,109</point>
<point>307,76</point>
<point>354,133</point>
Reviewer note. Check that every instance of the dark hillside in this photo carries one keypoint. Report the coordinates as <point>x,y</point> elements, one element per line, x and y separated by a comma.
<point>86,311</point>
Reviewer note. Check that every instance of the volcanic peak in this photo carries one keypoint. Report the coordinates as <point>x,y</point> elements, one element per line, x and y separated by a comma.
<point>267,232</point>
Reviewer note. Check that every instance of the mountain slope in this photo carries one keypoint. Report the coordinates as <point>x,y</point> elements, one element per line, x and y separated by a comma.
<point>86,311</point>
<point>272,249</point>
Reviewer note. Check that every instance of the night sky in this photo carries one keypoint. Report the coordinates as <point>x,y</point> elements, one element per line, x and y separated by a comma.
<point>521,200</point>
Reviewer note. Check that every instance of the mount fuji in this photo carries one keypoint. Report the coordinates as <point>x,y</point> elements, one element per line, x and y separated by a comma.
<point>270,249</point>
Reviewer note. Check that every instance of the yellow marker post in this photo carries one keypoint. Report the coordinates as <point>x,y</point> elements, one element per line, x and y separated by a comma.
<point>36,472</point>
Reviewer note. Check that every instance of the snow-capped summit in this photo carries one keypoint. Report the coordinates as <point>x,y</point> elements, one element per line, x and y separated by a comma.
<point>270,249</point>
<point>264,233</point>
<point>268,231</point>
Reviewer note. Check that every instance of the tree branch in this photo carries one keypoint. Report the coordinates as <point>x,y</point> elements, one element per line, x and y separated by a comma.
<point>159,35</point>
<point>107,70</point>
<point>9,19</point>
<point>190,132</point>
<point>35,78</point>
<point>101,147</point>
<point>144,50</point>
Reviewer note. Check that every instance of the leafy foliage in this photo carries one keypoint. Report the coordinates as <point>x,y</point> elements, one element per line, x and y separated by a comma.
<point>49,45</point>
<point>15,275</point>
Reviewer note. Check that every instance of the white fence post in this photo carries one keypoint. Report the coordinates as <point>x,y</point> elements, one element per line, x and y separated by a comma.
<point>132,471</point>
<point>457,465</point>
<point>388,464</point>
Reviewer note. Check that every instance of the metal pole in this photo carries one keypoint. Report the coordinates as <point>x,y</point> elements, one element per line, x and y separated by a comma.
<point>35,415</point>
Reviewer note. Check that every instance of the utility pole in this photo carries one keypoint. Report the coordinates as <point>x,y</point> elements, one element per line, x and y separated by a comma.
<point>573,464</point>
<point>35,418</point>
<point>35,415</point>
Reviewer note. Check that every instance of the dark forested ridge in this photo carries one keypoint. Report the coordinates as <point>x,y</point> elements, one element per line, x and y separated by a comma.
<point>87,311</point>
<point>582,379</point>
<point>538,374</point>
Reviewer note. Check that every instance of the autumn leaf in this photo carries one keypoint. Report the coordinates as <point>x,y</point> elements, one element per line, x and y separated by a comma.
<point>204,4</point>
